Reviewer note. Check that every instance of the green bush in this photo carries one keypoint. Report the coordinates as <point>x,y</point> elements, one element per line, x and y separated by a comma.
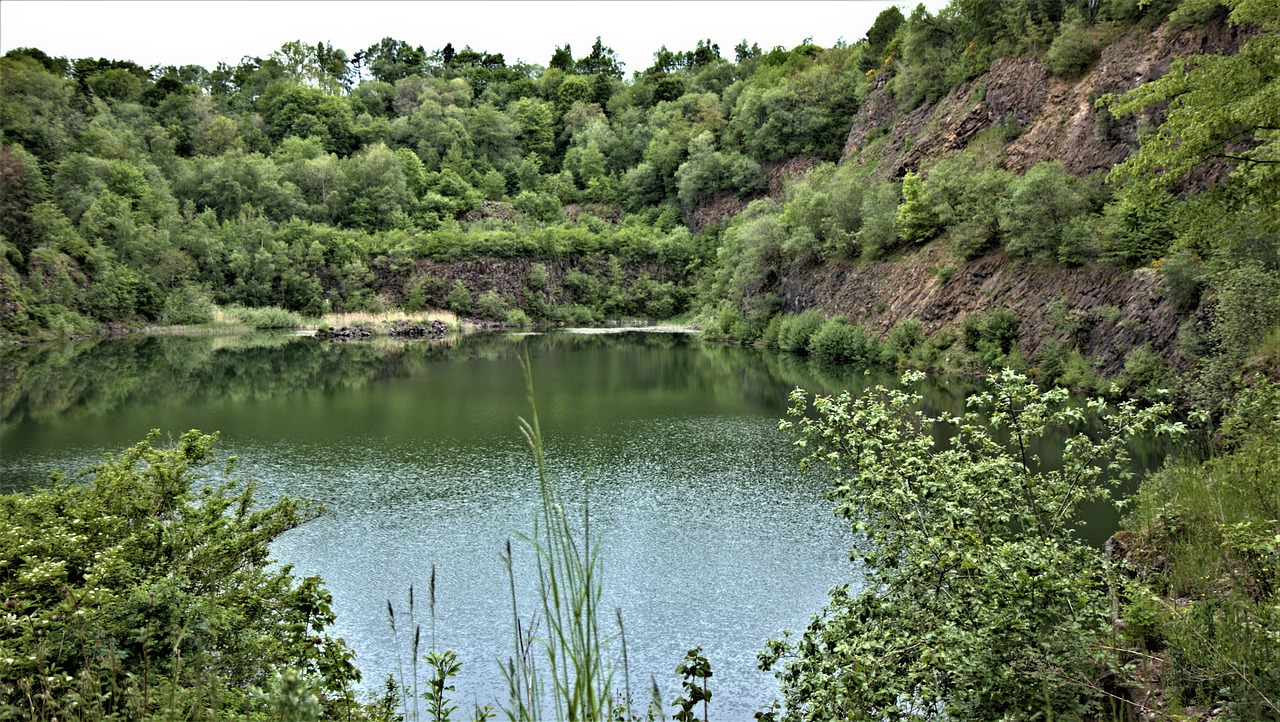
<point>267,317</point>
<point>1072,51</point>
<point>104,623</point>
<point>459,298</point>
<point>904,338</point>
<point>976,583</point>
<point>1036,217</point>
<point>491,306</point>
<point>62,320</point>
<point>769,337</point>
<point>839,340</point>
<point>187,305</point>
<point>1180,279</point>
<point>517,318</point>
<point>1148,373</point>
<point>795,331</point>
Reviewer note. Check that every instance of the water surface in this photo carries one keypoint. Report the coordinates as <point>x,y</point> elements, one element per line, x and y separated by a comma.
<point>709,534</point>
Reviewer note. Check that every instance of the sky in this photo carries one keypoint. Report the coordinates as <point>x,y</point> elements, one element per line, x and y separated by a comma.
<point>204,32</point>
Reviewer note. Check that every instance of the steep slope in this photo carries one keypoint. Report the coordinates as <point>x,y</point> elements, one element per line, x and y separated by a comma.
<point>1056,118</point>
<point>1111,311</point>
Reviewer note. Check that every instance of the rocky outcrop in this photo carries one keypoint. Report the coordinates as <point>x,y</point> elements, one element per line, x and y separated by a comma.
<point>1113,311</point>
<point>433,330</point>
<point>1052,118</point>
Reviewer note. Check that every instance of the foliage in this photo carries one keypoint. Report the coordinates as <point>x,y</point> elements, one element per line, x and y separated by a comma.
<point>1213,523</point>
<point>459,298</point>
<point>695,667</point>
<point>980,601</point>
<point>840,340</point>
<point>104,621</point>
<point>796,332</point>
<point>1073,50</point>
<point>265,318</point>
<point>916,221</point>
<point>189,305</point>
<point>993,336</point>
<point>1221,110</point>
<point>1036,217</point>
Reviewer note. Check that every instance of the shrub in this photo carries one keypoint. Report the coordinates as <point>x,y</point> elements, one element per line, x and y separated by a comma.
<point>424,292</point>
<point>1147,372</point>
<point>266,317</point>
<point>915,221</point>
<point>965,543</point>
<point>92,604</point>
<point>1035,218</point>
<point>189,304</point>
<point>491,306</point>
<point>459,298</point>
<point>839,340</point>
<point>795,331</point>
<point>517,318</point>
<point>1001,328</point>
<point>1180,279</point>
<point>62,320</point>
<point>769,337</point>
<point>903,338</point>
<point>1072,51</point>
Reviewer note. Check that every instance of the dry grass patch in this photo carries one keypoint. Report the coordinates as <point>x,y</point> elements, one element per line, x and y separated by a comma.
<point>338,320</point>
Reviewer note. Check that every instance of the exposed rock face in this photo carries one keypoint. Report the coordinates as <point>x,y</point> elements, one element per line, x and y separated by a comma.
<point>1120,310</point>
<point>1057,117</point>
<point>726,205</point>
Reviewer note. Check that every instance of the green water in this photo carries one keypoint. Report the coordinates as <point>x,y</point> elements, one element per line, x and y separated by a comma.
<point>710,535</point>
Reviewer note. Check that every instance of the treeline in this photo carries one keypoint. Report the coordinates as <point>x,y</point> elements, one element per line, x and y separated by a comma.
<point>298,179</point>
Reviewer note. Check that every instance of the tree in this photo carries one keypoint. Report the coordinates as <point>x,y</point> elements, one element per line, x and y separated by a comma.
<point>536,133</point>
<point>141,575</point>
<point>22,186</point>
<point>1038,214</point>
<point>979,600</point>
<point>602,61</point>
<point>321,66</point>
<point>390,60</point>
<point>562,59</point>
<point>1222,110</point>
<point>879,35</point>
<point>916,221</point>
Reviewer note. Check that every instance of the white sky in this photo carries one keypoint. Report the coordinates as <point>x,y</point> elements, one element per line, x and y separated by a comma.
<point>201,32</point>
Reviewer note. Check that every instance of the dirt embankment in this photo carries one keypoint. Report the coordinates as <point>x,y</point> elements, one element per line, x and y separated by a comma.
<point>1111,311</point>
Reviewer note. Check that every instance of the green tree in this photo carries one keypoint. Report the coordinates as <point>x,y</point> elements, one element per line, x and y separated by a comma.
<point>1222,109</point>
<point>22,187</point>
<point>390,60</point>
<point>979,601</point>
<point>536,133</point>
<point>145,575</point>
<point>1036,217</point>
<point>916,221</point>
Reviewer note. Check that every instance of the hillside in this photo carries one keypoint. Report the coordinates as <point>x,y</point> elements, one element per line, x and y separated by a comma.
<point>994,155</point>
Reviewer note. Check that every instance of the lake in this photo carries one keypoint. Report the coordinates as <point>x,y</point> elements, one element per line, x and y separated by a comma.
<point>709,533</point>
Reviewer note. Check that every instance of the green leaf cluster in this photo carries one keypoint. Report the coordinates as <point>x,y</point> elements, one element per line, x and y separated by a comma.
<point>978,600</point>
<point>145,588</point>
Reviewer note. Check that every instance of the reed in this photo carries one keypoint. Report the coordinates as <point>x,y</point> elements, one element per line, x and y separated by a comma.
<point>576,652</point>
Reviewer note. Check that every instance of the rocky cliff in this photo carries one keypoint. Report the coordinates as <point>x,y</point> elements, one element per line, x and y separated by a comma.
<point>1055,119</point>
<point>1110,310</point>
<point>1105,311</point>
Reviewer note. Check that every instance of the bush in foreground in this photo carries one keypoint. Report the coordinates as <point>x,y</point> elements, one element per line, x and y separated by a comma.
<point>979,597</point>
<point>144,589</point>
